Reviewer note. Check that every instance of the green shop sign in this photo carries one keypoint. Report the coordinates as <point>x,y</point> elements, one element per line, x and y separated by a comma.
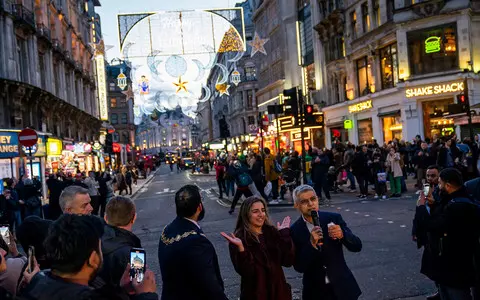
<point>348,124</point>
<point>432,44</point>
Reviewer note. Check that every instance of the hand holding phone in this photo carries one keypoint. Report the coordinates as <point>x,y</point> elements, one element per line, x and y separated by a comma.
<point>137,264</point>
<point>5,234</point>
<point>31,259</point>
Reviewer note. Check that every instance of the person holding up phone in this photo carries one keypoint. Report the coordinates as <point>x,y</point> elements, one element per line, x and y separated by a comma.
<point>259,250</point>
<point>73,247</point>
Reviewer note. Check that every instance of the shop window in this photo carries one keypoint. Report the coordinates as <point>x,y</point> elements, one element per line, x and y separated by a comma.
<point>392,128</point>
<point>365,18</point>
<point>353,24</point>
<point>113,102</point>
<point>365,131</point>
<point>377,13</point>
<point>365,80</point>
<point>435,124</point>
<point>338,134</point>
<point>433,49</point>
<point>114,119</point>
<point>390,9</point>
<point>124,118</point>
<point>389,66</point>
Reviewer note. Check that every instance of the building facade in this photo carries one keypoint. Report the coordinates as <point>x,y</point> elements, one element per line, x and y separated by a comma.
<point>392,69</point>
<point>47,78</point>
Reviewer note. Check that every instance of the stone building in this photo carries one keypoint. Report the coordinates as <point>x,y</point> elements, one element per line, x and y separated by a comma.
<point>46,69</point>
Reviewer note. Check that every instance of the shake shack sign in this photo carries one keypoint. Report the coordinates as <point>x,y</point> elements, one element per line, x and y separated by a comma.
<point>434,89</point>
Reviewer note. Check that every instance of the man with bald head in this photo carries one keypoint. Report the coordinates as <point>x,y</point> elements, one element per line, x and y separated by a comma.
<point>75,200</point>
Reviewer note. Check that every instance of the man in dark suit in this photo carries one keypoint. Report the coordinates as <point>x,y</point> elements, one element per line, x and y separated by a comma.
<point>319,251</point>
<point>188,261</point>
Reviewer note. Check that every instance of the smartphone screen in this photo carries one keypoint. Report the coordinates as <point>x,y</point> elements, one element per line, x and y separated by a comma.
<point>137,264</point>
<point>31,257</point>
<point>426,189</point>
<point>5,233</point>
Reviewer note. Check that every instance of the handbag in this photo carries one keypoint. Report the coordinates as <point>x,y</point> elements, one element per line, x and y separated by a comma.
<point>268,188</point>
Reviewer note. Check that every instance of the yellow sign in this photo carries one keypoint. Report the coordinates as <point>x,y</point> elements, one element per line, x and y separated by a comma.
<point>434,89</point>
<point>296,136</point>
<point>360,106</point>
<point>102,87</point>
<point>54,147</point>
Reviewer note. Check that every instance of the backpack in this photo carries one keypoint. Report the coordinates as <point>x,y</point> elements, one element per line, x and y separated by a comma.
<point>244,180</point>
<point>33,202</point>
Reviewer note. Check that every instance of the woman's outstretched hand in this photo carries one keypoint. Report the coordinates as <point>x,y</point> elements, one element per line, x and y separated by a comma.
<point>285,223</point>
<point>231,238</point>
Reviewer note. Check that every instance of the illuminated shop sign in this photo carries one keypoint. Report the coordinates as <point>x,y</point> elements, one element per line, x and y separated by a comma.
<point>348,124</point>
<point>432,44</point>
<point>54,147</point>
<point>102,87</point>
<point>434,89</point>
<point>8,144</point>
<point>360,106</point>
<point>297,136</point>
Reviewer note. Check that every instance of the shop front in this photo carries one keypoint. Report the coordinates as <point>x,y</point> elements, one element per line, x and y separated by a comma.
<point>392,125</point>
<point>9,155</point>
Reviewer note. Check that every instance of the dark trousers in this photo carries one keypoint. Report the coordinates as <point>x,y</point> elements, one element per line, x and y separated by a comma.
<point>328,293</point>
<point>102,203</point>
<point>322,184</point>
<point>95,204</point>
<point>449,293</point>
<point>274,189</point>
<point>244,191</point>
<point>221,186</point>
<point>261,188</point>
<point>420,176</point>
<point>129,188</point>
<point>363,183</point>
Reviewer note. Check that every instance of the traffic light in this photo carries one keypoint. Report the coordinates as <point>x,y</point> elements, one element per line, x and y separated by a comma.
<point>224,130</point>
<point>290,98</point>
<point>109,143</point>
<point>462,100</point>
<point>309,116</point>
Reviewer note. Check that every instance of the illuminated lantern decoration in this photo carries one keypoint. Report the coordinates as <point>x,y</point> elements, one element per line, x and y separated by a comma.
<point>235,77</point>
<point>122,80</point>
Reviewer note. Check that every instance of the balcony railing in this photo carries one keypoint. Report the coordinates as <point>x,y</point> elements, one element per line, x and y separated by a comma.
<point>23,14</point>
<point>57,46</point>
<point>44,32</point>
<point>6,6</point>
<point>78,67</point>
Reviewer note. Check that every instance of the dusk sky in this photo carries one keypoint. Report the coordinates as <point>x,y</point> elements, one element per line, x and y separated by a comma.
<point>110,8</point>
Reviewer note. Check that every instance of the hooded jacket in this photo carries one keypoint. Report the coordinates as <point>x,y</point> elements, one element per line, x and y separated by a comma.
<point>116,246</point>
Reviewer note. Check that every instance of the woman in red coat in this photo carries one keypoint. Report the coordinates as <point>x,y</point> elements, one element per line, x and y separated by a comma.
<point>259,250</point>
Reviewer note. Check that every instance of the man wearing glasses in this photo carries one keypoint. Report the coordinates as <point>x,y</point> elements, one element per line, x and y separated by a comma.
<point>319,250</point>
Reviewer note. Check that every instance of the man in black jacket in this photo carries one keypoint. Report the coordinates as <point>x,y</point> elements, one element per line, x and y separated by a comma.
<point>188,261</point>
<point>452,231</point>
<point>73,247</point>
<point>118,239</point>
<point>319,250</point>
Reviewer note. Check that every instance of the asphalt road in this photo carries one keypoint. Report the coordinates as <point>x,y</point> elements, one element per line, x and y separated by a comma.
<point>386,268</point>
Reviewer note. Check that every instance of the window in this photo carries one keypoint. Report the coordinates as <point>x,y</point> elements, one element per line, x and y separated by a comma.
<point>389,67</point>
<point>124,118</point>
<point>365,18</point>
<point>376,13</point>
<point>364,77</point>
<point>251,120</point>
<point>353,24</point>
<point>310,69</point>
<point>250,72</point>
<point>249,99</point>
<point>433,49</point>
<point>123,102</point>
<point>113,102</point>
<point>112,86</point>
<point>390,7</point>
<point>334,48</point>
<point>306,34</point>
<point>114,119</point>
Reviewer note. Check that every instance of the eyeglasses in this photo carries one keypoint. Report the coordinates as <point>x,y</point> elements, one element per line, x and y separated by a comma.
<point>313,199</point>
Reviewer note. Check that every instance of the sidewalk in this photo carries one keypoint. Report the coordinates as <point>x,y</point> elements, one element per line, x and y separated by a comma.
<point>142,183</point>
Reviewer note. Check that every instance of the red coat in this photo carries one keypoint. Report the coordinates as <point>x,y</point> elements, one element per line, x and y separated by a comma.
<point>260,265</point>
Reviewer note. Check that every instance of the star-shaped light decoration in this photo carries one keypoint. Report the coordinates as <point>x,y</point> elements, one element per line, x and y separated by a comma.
<point>181,85</point>
<point>223,89</point>
<point>258,45</point>
<point>129,93</point>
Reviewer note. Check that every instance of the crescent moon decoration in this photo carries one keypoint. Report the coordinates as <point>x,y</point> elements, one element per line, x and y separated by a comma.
<point>208,94</point>
<point>125,50</point>
<point>224,75</point>
<point>201,69</point>
<point>237,57</point>
<point>210,50</point>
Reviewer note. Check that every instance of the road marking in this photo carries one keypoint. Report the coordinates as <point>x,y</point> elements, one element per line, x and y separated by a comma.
<point>356,212</point>
<point>367,216</point>
<point>390,222</point>
<point>339,208</point>
<point>166,190</point>
<point>403,226</point>
<point>222,203</point>
<point>347,210</point>
<point>380,219</point>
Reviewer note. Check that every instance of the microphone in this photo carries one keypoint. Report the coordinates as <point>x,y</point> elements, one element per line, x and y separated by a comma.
<point>316,222</point>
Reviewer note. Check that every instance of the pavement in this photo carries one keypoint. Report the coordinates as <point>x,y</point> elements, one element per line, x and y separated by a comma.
<point>387,268</point>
